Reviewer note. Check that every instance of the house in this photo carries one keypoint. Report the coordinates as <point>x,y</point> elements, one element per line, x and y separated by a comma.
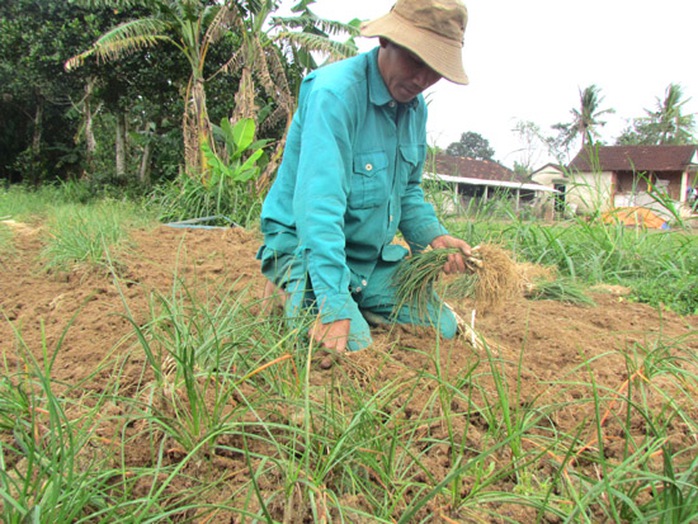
<point>553,176</point>
<point>608,177</point>
<point>468,178</point>
<point>550,175</point>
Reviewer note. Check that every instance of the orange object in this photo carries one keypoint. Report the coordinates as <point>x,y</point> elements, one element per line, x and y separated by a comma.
<point>635,216</point>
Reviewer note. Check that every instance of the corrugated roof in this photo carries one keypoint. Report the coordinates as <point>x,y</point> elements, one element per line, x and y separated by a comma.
<point>471,168</point>
<point>491,183</point>
<point>634,158</point>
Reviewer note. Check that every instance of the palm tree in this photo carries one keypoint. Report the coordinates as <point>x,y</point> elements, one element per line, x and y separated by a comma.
<point>666,125</point>
<point>671,126</point>
<point>585,120</point>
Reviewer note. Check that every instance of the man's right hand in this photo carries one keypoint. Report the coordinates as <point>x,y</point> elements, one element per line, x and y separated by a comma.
<point>333,335</point>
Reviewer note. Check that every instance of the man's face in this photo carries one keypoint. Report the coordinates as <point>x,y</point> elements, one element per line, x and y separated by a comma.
<point>405,74</point>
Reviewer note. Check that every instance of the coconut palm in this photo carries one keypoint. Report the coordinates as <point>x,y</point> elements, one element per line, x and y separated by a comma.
<point>666,125</point>
<point>670,124</point>
<point>585,120</point>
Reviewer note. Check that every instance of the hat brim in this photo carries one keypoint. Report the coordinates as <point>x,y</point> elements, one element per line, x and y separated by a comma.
<point>442,55</point>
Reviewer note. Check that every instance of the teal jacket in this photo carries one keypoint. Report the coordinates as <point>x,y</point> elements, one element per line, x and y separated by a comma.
<point>349,180</point>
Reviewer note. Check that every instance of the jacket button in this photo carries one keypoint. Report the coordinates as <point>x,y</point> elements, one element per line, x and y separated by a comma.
<point>369,167</point>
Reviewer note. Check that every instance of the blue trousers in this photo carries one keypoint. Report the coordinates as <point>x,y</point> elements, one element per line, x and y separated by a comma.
<point>375,300</point>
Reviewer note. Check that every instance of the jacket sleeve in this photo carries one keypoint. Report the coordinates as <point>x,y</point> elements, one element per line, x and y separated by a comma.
<point>320,200</point>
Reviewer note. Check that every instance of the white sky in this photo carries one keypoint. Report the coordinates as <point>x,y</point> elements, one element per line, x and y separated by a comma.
<point>527,60</point>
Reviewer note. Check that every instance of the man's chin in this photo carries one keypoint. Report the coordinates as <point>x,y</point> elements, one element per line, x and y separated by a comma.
<point>404,95</point>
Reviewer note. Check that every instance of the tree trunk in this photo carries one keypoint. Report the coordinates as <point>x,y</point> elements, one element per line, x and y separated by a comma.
<point>36,141</point>
<point>197,129</point>
<point>121,146</point>
<point>144,170</point>
<point>90,141</point>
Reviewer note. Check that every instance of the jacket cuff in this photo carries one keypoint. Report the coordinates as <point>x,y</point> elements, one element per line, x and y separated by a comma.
<point>420,239</point>
<point>336,307</point>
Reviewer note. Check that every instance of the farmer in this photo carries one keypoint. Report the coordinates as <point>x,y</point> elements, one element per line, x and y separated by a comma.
<point>350,179</point>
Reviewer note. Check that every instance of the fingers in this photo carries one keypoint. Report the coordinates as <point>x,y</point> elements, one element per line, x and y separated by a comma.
<point>326,362</point>
<point>454,264</point>
<point>466,249</point>
<point>332,342</point>
<point>333,335</point>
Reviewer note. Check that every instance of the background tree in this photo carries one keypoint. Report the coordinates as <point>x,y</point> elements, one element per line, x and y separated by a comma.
<point>190,27</point>
<point>275,55</point>
<point>194,28</point>
<point>533,143</point>
<point>585,121</point>
<point>58,125</point>
<point>667,124</point>
<point>139,95</point>
<point>35,93</point>
<point>304,36</point>
<point>471,145</point>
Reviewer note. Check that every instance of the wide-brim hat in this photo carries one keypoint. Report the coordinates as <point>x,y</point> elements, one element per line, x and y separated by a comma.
<point>431,29</point>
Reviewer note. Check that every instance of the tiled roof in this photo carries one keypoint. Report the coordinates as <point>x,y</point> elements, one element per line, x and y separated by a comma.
<point>469,167</point>
<point>634,158</point>
<point>556,167</point>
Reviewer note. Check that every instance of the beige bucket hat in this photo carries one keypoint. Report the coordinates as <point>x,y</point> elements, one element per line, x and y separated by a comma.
<point>431,29</point>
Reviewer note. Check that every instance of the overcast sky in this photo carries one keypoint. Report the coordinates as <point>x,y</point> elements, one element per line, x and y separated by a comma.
<point>528,61</point>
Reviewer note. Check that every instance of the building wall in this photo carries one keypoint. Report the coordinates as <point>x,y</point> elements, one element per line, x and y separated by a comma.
<point>548,176</point>
<point>588,192</point>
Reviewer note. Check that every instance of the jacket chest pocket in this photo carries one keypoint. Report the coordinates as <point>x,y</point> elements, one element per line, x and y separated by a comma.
<point>410,156</point>
<point>370,181</point>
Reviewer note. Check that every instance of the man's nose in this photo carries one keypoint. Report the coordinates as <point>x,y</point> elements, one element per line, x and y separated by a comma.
<point>426,77</point>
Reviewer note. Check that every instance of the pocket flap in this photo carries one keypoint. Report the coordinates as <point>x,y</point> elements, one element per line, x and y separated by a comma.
<point>411,153</point>
<point>368,164</point>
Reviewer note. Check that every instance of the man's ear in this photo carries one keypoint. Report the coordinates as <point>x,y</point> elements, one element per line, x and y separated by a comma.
<point>383,41</point>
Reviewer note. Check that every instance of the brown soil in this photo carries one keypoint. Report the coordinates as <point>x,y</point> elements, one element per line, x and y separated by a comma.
<point>555,349</point>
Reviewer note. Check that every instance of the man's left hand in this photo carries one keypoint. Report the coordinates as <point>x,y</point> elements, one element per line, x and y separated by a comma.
<point>456,261</point>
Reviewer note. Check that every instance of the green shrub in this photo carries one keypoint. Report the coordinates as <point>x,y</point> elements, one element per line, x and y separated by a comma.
<point>227,191</point>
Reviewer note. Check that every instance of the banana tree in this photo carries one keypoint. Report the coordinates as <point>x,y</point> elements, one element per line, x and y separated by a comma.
<point>191,27</point>
<point>268,48</point>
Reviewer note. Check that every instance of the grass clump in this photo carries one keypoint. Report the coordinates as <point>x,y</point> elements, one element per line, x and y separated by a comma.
<point>49,470</point>
<point>21,204</point>
<point>561,290</point>
<point>211,412</point>
<point>89,236</point>
<point>415,279</point>
<point>659,267</point>
<point>491,278</point>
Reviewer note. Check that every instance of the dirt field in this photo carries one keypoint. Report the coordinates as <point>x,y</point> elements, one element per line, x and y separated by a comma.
<point>556,339</point>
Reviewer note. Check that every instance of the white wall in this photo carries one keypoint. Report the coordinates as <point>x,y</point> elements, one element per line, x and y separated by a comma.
<point>548,176</point>
<point>590,191</point>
